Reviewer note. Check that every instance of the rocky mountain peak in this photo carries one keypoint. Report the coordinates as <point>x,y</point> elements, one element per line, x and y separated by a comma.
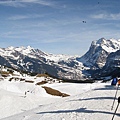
<point>110,45</point>
<point>99,51</point>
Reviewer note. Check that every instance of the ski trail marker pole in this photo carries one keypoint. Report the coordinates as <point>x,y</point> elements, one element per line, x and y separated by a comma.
<point>116,108</point>
<point>114,98</point>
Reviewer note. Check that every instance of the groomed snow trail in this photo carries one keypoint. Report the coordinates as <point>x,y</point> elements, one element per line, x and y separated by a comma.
<point>92,104</point>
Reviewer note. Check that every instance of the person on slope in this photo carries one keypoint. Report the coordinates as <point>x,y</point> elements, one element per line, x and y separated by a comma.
<point>114,81</point>
<point>118,82</point>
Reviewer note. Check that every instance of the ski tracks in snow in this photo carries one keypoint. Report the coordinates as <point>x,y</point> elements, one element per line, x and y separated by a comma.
<point>93,104</point>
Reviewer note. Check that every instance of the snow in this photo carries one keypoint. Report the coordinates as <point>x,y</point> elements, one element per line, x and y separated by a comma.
<point>59,57</point>
<point>33,53</point>
<point>86,101</point>
<point>111,45</point>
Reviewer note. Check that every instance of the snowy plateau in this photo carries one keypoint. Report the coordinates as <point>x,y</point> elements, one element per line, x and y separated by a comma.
<point>35,85</point>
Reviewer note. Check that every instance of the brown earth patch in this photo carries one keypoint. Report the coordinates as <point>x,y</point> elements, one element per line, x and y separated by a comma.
<point>29,81</point>
<point>42,75</point>
<point>41,83</point>
<point>54,92</point>
<point>4,73</point>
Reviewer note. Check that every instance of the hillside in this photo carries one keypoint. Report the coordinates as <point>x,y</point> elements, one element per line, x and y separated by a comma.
<point>86,102</point>
<point>36,61</point>
<point>26,97</point>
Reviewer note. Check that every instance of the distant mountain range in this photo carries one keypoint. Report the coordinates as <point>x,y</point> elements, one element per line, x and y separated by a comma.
<point>101,60</point>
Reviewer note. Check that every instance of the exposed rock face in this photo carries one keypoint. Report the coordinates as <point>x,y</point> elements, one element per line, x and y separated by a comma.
<point>112,66</point>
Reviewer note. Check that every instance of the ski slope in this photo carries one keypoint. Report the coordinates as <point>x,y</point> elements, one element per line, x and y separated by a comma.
<point>86,102</point>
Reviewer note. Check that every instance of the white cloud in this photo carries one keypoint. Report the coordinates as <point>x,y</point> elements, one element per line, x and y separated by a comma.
<point>20,17</point>
<point>115,16</point>
<point>107,16</point>
<point>42,2</point>
<point>99,16</point>
<point>11,3</point>
<point>23,3</point>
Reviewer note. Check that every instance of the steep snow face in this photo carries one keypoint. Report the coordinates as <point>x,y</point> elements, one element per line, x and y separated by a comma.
<point>111,45</point>
<point>29,51</point>
<point>33,53</point>
<point>99,51</point>
<point>14,52</point>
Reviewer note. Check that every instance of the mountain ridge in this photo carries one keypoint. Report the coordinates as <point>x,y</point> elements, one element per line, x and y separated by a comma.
<point>61,66</point>
<point>98,52</point>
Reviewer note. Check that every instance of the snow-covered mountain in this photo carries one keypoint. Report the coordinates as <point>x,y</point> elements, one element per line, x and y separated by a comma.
<point>99,50</point>
<point>98,57</point>
<point>36,61</point>
<point>112,66</point>
<point>26,97</point>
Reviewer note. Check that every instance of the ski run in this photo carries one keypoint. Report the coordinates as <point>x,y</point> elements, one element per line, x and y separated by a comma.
<point>86,101</point>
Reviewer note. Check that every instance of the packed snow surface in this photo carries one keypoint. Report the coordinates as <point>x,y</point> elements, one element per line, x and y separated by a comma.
<point>86,101</point>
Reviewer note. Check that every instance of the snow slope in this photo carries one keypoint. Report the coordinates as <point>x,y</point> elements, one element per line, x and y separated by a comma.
<point>86,102</point>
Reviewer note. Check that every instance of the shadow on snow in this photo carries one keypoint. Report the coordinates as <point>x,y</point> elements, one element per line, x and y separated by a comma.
<point>94,98</point>
<point>108,87</point>
<point>81,110</point>
<point>85,110</point>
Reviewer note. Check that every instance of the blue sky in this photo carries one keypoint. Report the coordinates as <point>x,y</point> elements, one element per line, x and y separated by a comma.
<point>56,26</point>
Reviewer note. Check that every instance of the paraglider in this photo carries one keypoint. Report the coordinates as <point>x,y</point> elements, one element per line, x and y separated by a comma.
<point>84,21</point>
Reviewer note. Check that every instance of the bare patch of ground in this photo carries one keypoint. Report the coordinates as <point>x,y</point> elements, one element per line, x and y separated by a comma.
<point>54,92</point>
<point>41,83</point>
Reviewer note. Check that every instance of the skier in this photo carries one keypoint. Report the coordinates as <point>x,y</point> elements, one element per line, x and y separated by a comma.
<point>118,82</point>
<point>25,94</point>
<point>117,88</point>
<point>114,81</point>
